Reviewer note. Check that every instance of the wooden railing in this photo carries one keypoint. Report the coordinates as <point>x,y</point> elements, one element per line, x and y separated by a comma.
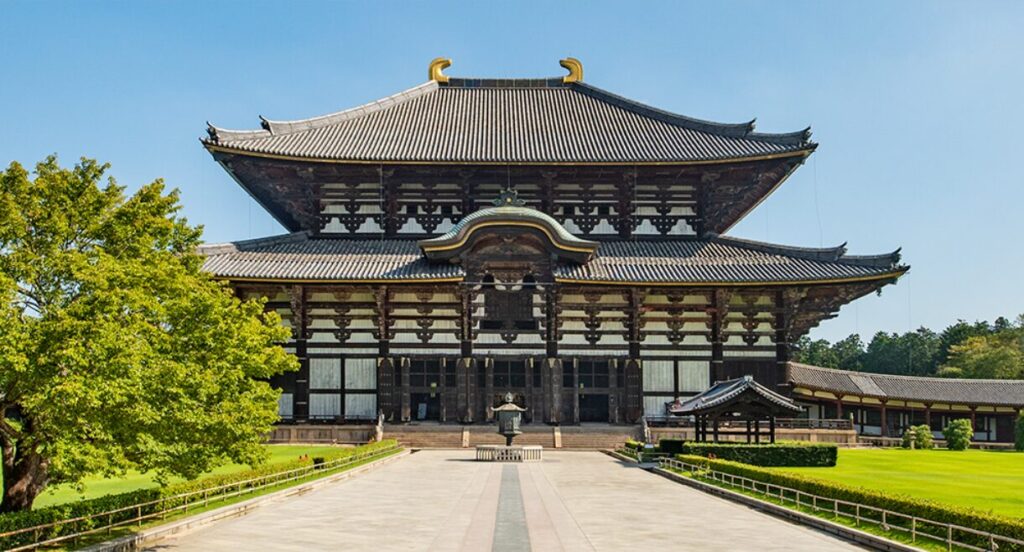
<point>916,528</point>
<point>136,514</point>
<point>814,423</point>
<point>780,423</point>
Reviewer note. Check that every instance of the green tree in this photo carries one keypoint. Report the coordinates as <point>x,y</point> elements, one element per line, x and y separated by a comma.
<point>913,353</point>
<point>815,352</point>
<point>118,352</point>
<point>995,356</point>
<point>957,334</point>
<point>849,353</point>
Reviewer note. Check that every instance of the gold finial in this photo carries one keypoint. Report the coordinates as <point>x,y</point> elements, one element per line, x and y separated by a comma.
<point>575,68</point>
<point>436,66</point>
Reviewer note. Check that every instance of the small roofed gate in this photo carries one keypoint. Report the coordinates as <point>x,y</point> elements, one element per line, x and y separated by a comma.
<point>736,407</point>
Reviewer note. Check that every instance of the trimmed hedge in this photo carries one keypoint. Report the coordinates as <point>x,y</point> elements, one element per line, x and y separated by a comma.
<point>793,454</point>
<point>958,434</point>
<point>958,515</point>
<point>50,514</point>
<point>671,446</point>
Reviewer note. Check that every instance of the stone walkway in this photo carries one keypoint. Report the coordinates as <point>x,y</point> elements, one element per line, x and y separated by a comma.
<point>443,500</point>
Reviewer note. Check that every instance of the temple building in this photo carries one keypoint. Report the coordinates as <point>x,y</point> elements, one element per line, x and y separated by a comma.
<point>470,237</point>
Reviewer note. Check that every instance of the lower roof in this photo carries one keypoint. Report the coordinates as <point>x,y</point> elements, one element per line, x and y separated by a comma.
<point>908,388</point>
<point>715,260</point>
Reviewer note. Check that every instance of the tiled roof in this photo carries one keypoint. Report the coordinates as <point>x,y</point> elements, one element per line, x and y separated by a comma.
<point>712,260</point>
<point>294,256</point>
<point>909,388</point>
<point>508,121</point>
<point>721,393</point>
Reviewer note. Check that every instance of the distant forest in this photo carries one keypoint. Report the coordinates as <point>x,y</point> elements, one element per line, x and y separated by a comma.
<point>963,350</point>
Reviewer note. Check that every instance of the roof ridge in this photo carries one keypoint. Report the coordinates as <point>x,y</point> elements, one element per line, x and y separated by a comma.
<point>903,376</point>
<point>235,246</point>
<point>732,130</point>
<point>277,128</point>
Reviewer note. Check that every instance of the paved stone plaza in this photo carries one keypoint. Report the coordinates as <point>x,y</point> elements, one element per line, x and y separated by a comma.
<point>444,500</point>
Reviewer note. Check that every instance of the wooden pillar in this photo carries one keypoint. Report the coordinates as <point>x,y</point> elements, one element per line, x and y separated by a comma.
<point>443,390</point>
<point>387,387</point>
<point>885,426</point>
<point>300,319</point>
<point>839,407</point>
<point>552,367</point>
<point>781,339</point>
<point>757,432</point>
<point>717,320</point>
<point>714,428</point>
<point>634,386</point>
<point>748,432</point>
<point>974,418</point>
<point>489,388</point>
<point>613,386</point>
<point>466,394</point>
<point>771,429</point>
<point>553,382</point>
<point>575,392</point>
<point>404,390</point>
<point>928,415</point>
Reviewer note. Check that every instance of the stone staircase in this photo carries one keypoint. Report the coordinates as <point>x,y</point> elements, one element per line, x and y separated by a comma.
<point>440,436</point>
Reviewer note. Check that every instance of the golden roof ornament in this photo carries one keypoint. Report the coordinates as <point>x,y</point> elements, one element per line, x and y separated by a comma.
<point>509,197</point>
<point>436,66</point>
<point>575,68</point>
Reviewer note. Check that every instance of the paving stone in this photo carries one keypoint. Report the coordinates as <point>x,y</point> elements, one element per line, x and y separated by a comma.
<point>443,500</point>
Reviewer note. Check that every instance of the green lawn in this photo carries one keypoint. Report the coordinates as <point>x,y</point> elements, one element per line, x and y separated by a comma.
<point>133,480</point>
<point>986,480</point>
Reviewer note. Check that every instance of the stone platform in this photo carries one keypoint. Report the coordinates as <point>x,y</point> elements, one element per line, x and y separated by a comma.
<point>500,453</point>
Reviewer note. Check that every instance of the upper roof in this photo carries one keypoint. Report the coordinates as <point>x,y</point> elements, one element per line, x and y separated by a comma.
<point>909,388</point>
<point>528,121</point>
<point>724,392</point>
<point>714,260</point>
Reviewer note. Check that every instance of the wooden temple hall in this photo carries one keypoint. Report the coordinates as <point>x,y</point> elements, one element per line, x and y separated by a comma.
<point>470,237</point>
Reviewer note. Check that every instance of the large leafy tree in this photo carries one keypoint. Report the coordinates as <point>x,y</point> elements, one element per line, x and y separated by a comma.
<point>116,351</point>
<point>999,355</point>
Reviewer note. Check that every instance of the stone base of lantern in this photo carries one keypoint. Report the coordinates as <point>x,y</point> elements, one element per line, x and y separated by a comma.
<point>500,453</point>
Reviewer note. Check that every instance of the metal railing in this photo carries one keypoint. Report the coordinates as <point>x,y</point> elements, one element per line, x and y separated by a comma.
<point>136,514</point>
<point>914,527</point>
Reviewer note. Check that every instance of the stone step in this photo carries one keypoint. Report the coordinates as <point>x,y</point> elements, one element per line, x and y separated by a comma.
<point>453,436</point>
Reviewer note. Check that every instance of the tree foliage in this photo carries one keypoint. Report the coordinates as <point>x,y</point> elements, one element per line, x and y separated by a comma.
<point>116,351</point>
<point>970,350</point>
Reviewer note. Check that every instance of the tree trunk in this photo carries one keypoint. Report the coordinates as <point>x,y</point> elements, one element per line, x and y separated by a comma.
<point>25,475</point>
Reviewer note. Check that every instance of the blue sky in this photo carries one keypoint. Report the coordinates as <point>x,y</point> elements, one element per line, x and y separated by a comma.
<point>917,107</point>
